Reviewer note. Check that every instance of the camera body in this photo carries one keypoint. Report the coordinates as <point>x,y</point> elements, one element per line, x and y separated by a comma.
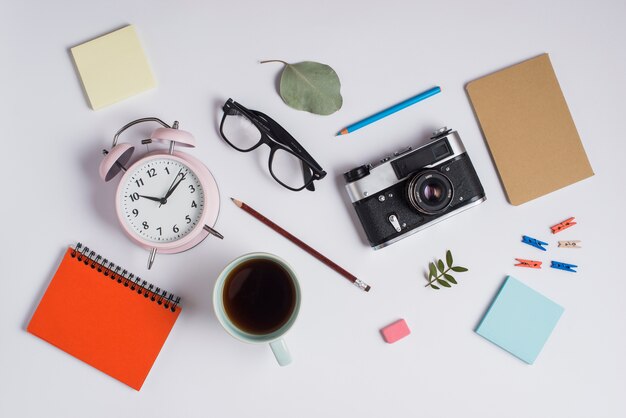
<point>414,189</point>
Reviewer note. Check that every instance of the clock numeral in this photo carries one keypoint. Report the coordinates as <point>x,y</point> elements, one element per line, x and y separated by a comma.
<point>134,196</point>
<point>193,189</point>
<point>139,182</point>
<point>167,170</point>
<point>160,231</point>
<point>136,212</point>
<point>188,219</point>
<point>193,204</point>
<point>152,172</point>
<point>175,229</point>
<point>145,225</point>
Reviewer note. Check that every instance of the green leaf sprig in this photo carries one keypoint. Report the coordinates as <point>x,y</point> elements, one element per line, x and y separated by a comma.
<point>310,86</point>
<point>438,273</point>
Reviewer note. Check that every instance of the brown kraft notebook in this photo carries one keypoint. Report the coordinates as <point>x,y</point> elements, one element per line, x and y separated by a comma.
<point>529,130</point>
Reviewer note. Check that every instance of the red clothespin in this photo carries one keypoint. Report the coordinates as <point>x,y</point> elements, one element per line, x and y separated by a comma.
<point>528,263</point>
<point>563,225</point>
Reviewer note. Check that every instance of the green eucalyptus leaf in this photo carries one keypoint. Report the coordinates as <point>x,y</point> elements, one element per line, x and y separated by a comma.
<point>443,283</point>
<point>434,287</point>
<point>310,86</point>
<point>440,266</point>
<point>433,270</point>
<point>449,258</point>
<point>449,278</point>
<point>459,269</point>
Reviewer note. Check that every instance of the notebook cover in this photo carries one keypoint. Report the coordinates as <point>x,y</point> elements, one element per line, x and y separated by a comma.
<point>102,322</point>
<point>529,130</point>
<point>520,320</point>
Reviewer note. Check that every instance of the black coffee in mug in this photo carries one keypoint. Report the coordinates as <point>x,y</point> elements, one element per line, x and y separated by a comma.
<point>259,296</point>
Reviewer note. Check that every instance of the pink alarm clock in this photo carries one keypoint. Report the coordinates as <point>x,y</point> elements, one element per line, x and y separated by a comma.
<point>167,201</point>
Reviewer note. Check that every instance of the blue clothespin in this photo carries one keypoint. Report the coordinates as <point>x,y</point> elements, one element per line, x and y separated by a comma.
<point>534,242</point>
<point>563,266</point>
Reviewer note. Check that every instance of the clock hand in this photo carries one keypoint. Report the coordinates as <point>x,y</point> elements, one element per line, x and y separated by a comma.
<point>175,186</point>
<point>175,177</point>
<point>163,200</point>
<point>156,199</point>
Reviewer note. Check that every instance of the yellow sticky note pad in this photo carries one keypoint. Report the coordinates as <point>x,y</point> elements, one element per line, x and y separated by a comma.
<point>113,67</point>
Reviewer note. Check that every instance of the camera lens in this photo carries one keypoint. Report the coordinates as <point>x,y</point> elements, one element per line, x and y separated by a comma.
<point>433,193</point>
<point>430,192</point>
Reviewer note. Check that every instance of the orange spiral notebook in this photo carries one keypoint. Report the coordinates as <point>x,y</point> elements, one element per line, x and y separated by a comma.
<point>105,316</point>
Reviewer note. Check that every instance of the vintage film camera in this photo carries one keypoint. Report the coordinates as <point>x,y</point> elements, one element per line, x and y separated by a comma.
<point>414,189</point>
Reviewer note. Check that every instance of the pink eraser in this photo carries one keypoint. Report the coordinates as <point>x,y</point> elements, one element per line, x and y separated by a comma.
<point>396,331</point>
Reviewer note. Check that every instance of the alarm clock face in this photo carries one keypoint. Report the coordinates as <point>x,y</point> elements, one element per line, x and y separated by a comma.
<point>161,201</point>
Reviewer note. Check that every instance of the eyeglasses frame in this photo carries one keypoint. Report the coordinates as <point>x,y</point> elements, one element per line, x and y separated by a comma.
<point>276,137</point>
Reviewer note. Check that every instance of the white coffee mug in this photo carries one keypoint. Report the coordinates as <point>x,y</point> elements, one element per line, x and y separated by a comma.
<point>274,338</point>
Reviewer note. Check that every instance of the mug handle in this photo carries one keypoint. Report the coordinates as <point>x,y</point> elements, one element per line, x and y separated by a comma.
<point>281,352</point>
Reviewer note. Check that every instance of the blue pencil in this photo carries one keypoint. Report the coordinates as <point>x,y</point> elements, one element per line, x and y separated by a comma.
<point>393,109</point>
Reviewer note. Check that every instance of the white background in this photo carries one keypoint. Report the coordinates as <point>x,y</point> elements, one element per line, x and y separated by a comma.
<point>204,52</point>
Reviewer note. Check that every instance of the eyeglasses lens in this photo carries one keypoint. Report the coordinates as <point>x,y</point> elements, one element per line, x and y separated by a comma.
<point>240,131</point>
<point>287,168</point>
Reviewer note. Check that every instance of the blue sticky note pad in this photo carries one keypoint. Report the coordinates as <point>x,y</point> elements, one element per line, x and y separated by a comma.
<point>520,320</point>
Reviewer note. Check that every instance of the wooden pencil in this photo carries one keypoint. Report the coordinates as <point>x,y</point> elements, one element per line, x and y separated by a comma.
<point>357,282</point>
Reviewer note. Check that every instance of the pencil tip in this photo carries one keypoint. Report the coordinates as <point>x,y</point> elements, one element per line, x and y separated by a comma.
<point>236,202</point>
<point>342,132</point>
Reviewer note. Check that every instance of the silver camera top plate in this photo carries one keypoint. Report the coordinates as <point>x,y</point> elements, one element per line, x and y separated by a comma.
<point>382,175</point>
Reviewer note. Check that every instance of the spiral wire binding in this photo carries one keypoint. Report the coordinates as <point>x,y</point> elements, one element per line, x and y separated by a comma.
<point>134,283</point>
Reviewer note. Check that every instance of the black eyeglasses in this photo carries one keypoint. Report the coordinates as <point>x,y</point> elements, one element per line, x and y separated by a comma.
<point>289,163</point>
